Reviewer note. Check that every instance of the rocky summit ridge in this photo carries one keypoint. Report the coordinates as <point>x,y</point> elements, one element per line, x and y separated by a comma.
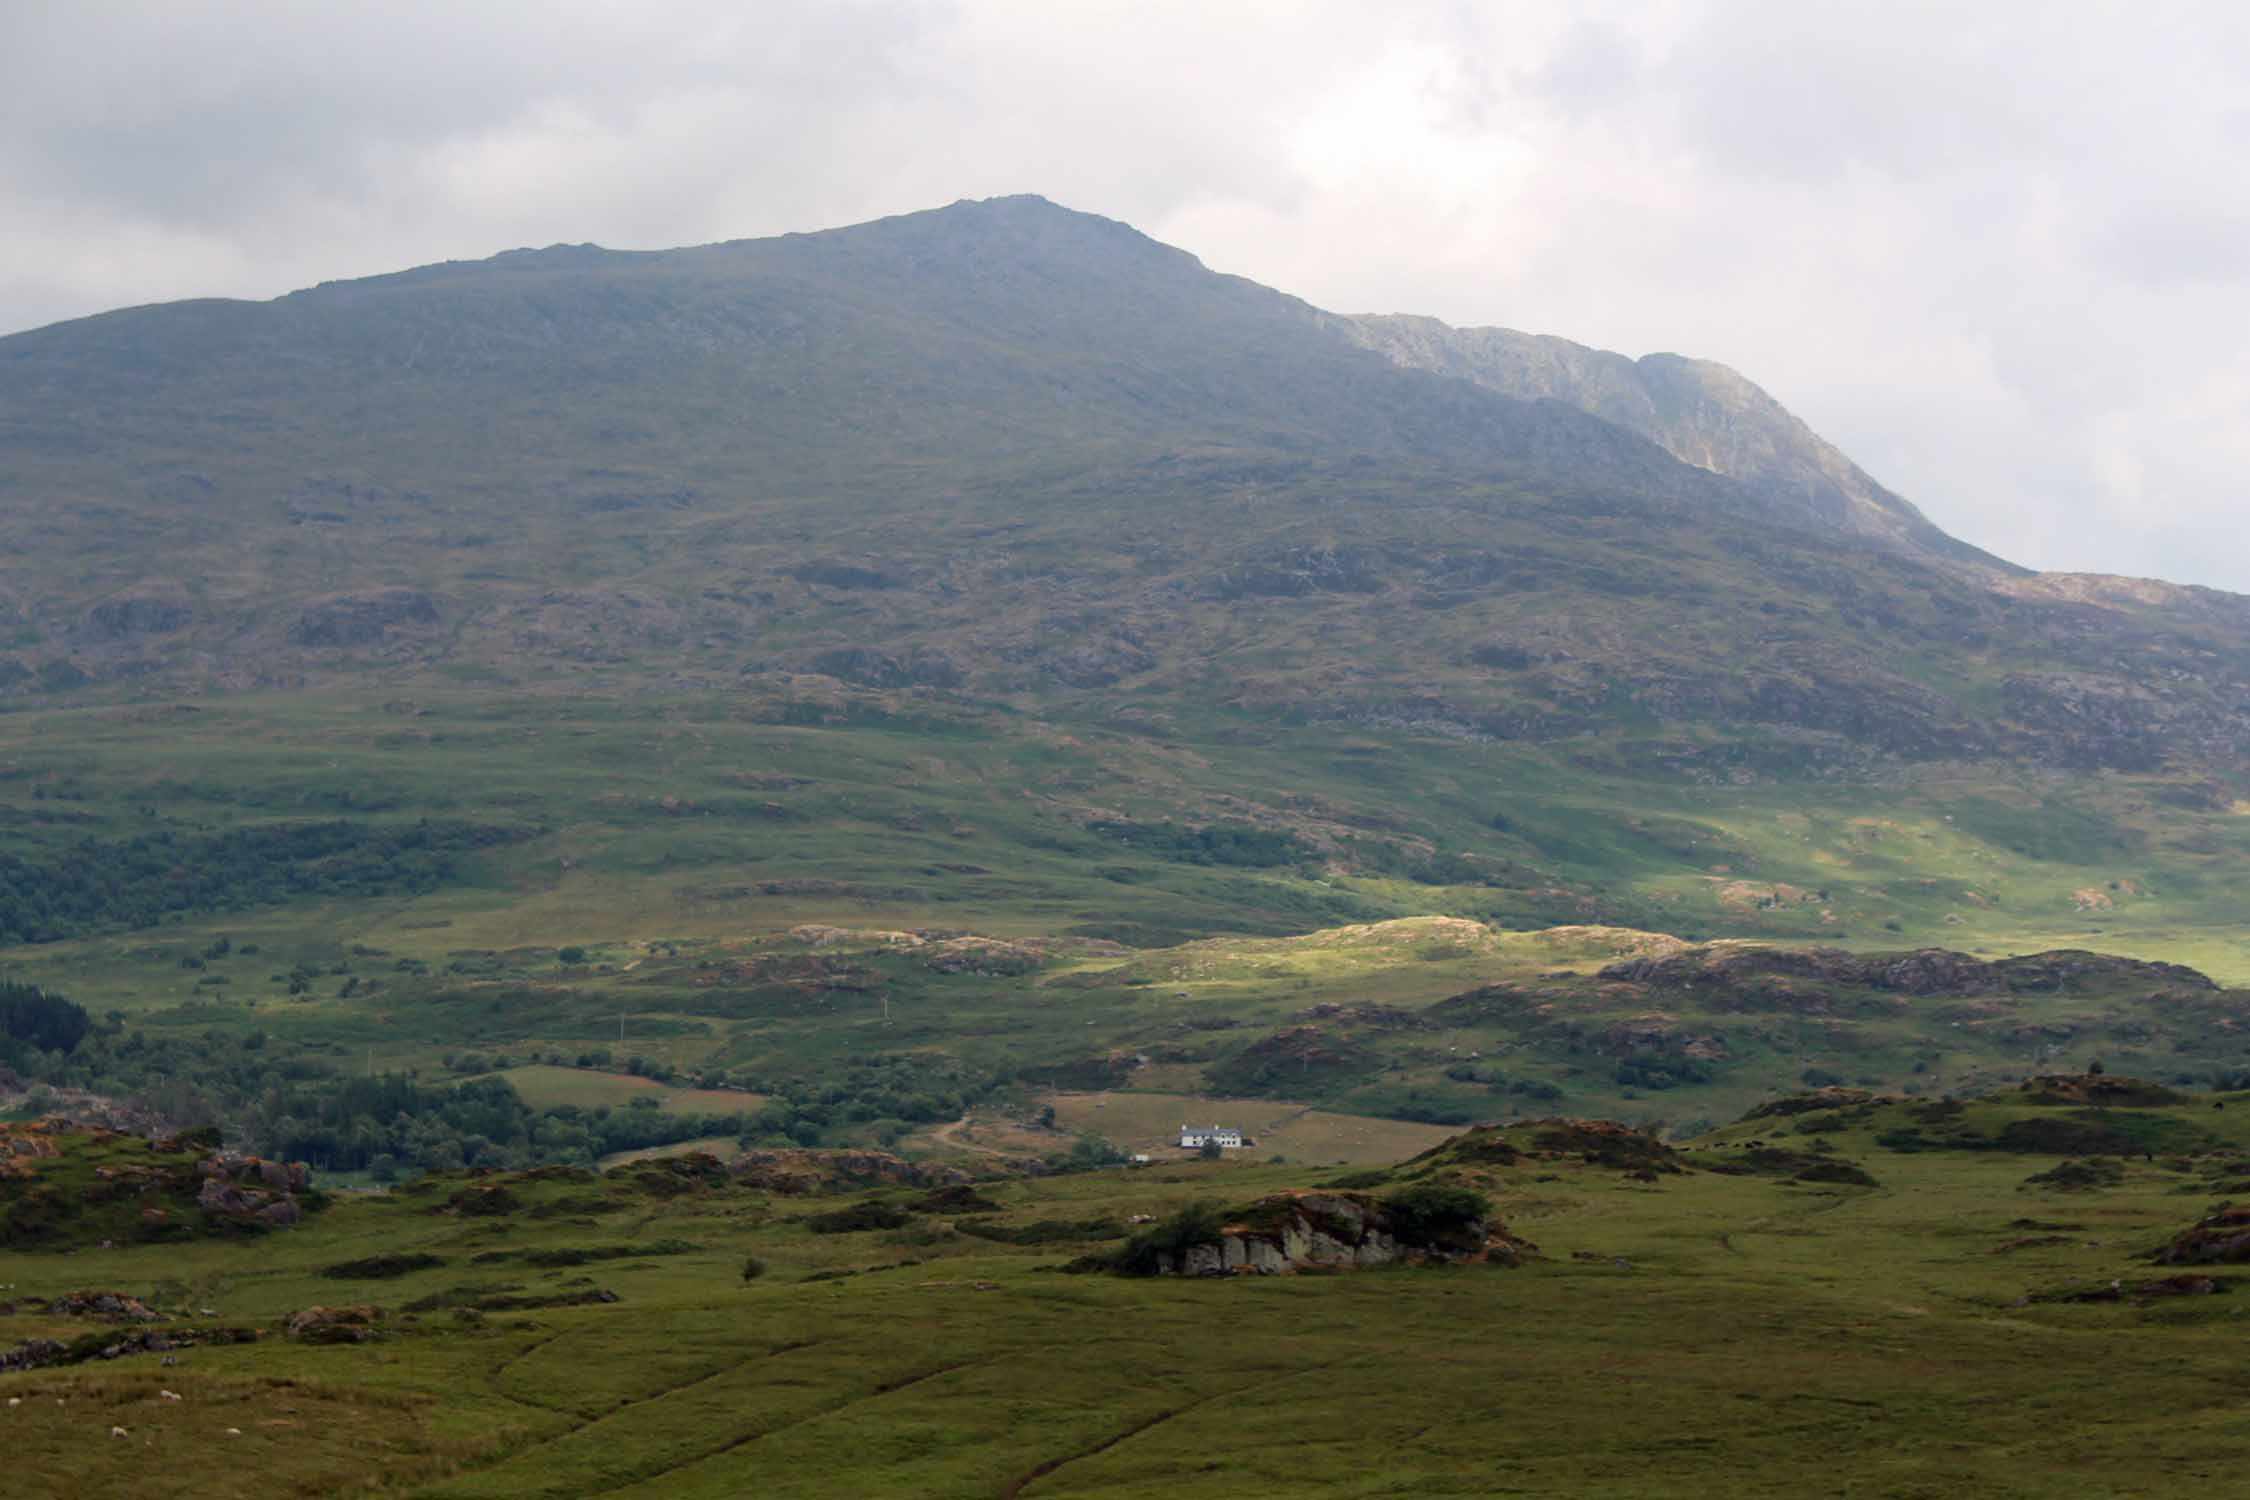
<point>1699,411</point>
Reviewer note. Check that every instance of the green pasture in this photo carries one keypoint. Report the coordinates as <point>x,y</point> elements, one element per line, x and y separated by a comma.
<point>1700,1334</point>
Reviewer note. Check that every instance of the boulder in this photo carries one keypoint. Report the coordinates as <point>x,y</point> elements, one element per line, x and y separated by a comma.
<point>334,1325</point>
<point>113,1307</point>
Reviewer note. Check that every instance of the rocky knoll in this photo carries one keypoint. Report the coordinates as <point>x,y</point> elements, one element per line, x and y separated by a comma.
<point>334,1325</point>
<point>250,1187</point>
<point>812,1171</point>
<point>2219,1238</point>
<point>63,1183</point>
<point>1292,1232</point>
<point>1557,1139</point>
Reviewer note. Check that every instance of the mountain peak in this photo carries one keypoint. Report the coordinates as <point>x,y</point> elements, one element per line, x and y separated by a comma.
<point>1019,224</point>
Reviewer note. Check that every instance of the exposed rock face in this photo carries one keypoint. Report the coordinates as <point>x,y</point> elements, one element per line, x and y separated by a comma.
<point>22,1145</point>
<point>1326,1231</point>
<point>252,1188</point>
<point>113,1307</point>
<point>1700,412</point>
<point>136,615</point>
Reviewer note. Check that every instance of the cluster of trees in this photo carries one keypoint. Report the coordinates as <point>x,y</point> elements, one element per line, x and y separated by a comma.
<point>886,1096</point>
<point>301,1106</point>
<point>109,885</point>
<point>390,1124</point>
<point>306,1104</point>
<point>33,1021</point>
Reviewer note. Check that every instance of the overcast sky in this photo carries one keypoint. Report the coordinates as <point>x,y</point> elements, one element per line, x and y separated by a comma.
<point>1999,252</point>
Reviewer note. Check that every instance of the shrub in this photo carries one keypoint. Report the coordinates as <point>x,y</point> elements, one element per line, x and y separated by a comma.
<point>1427,1214</point>
<point>858,1217</point>
<point>752,1268</point>
<point>1044,1232</point>
<point>381,1267</point>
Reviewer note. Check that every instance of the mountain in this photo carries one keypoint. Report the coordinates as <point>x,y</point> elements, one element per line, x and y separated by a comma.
<point>1384,618</point>
<point>966,693</point>
<point>949,343</point>
<point>951,660</point>
<point>1037,451</point>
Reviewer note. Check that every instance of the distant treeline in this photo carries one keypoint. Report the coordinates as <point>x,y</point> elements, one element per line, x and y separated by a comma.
<point>392,1124</point>
<point>885,1093</point>
<point>111,885</point>
<point>296,1106</point>
<point>303,1105</point>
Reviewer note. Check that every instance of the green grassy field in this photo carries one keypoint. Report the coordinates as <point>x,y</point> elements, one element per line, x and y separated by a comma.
<point>1699,1334</point>
<point>543,1086</point>
<point>1150,1124</point>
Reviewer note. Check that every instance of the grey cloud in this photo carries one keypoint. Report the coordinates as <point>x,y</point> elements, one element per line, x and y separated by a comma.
<point>2162,244</point>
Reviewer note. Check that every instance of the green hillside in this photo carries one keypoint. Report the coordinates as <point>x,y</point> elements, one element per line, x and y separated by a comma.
<point>865,733</point>
<point>998,572</point>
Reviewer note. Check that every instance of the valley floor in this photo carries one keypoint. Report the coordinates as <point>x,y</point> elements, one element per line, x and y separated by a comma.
<point>1700,1335</point>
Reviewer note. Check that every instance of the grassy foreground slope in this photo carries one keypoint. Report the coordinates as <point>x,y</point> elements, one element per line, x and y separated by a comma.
<point>1734,1328</point>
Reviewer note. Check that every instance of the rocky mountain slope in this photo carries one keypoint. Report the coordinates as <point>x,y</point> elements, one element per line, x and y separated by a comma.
<point>1002,449</point>
<point>1430,609</point>
<point>1700,412</point>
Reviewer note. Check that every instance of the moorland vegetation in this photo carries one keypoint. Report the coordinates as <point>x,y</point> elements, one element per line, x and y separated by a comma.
<point>698,807</point>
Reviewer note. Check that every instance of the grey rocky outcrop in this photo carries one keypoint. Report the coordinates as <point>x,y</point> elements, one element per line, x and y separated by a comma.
<point>1315,1231</point>
<point>253,1188</point>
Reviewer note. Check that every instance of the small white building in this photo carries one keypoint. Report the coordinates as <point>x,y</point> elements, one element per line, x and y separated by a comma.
<point>1196,1137</point>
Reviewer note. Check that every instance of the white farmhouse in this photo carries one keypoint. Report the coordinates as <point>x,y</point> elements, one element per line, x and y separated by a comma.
<point>1196,1137</point>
